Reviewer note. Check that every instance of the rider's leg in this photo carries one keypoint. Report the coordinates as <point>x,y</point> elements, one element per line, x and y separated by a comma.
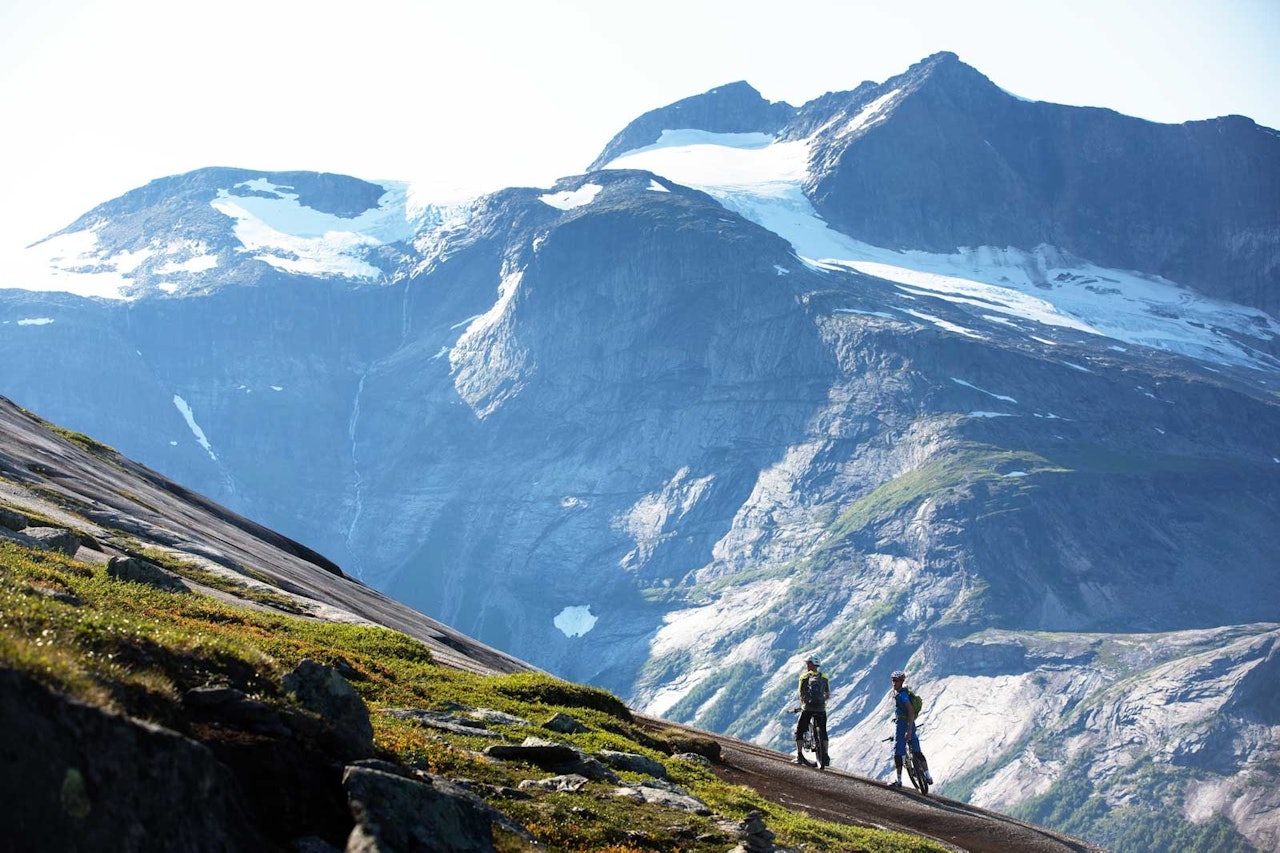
<point>801,724</point>
<point>899,748</point>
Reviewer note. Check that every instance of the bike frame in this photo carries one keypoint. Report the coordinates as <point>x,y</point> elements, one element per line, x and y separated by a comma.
<point>809,737</point>
<point>914,772</point>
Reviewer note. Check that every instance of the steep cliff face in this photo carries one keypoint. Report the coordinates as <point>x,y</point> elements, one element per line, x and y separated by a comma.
<point>908,368</point>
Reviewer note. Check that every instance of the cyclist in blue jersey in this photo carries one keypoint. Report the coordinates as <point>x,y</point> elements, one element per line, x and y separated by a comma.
<point>904,714</point>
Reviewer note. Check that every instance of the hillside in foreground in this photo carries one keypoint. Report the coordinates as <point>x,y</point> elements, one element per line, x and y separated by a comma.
<point>175,675</point>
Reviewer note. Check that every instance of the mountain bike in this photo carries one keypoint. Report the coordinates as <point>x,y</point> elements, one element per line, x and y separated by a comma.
<point>809,740</point>
<point>914,771</point>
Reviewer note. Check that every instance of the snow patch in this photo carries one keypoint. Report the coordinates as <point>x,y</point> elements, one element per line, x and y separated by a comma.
<point>656,187</point>
<point>1000,397</point>
<point>575,621</point>
<point>190,418</point>
<point>36,321</point>
<point>569,199</point>
<point>869,116</point>
<point>946,325</point>
<point>289,236</point>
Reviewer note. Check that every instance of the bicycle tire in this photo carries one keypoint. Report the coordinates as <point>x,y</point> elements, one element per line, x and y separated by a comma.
<point>810,743</point>
<point>916,774</point>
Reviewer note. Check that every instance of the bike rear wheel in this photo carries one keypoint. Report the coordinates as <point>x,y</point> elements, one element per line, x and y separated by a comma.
<point>809,745</point>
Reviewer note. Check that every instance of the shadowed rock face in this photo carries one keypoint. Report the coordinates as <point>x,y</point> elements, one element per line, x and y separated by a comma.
<point>90,780</point>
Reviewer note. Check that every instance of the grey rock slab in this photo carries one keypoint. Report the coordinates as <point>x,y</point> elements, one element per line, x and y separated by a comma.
<point>498,718</point>
<point>568,782</point>
<point>54,539</point>
<point>445,722</point>
<point>663,797</point>
<point>633,763</point>
<point>556,757</point>
<point>141,571</point>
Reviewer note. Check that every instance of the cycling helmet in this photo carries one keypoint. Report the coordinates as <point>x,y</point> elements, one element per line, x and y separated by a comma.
<point>897,673</point>
<point>813,660</point>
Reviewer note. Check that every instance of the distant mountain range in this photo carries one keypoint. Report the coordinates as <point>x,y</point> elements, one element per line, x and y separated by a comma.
<point>920,375</point>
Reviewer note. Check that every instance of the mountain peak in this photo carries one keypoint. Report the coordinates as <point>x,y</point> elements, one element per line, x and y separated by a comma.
<point>731,108</point>
<point>946,70</point>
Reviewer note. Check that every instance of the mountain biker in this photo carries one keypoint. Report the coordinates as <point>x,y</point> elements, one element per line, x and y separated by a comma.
<point>814,690</point>
<point>905,717</point>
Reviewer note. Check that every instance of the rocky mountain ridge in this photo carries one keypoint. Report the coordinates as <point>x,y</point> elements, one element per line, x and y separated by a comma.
<point>671,425</point>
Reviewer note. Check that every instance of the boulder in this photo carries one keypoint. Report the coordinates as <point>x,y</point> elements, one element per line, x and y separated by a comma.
<point>570,782</point>
<point>141,571</point>
<point>322,690</point>
<point>633,763</point>
<point>670,797</point>
<point>398,810</point>
<point>54,539</point>
<point>565,725</point>
<point>556,757</point>
<point>694,758</point>
<point>11,520</point>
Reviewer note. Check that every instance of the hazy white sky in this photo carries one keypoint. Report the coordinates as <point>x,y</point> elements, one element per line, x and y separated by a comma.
<point>101,97</point>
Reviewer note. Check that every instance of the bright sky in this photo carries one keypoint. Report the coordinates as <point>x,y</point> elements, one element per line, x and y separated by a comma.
<point>99,98</point>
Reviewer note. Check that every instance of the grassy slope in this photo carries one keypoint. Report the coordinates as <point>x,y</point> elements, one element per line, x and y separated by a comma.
<point>133,649</point>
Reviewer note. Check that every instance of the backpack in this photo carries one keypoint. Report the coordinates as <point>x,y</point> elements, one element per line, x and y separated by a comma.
<point>916,702</point>
<point>813,692</point>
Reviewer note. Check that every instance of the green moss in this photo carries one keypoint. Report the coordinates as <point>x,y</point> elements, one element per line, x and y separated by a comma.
<point>85,443</point>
